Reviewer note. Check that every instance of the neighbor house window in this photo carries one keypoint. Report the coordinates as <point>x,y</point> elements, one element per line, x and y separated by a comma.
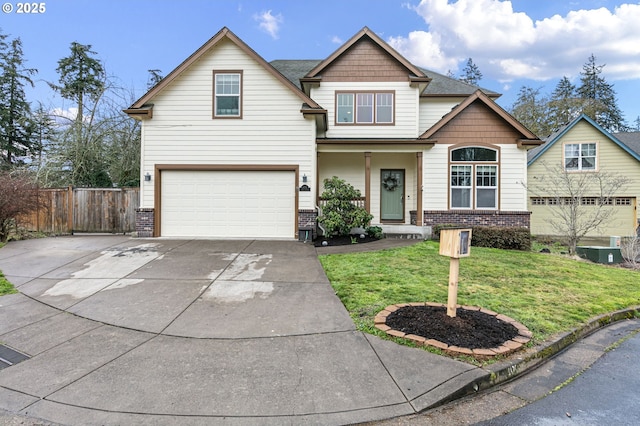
<point>474,183</point>
<point>227,101</point>
<point>580,156</point>
<point>364,108</point>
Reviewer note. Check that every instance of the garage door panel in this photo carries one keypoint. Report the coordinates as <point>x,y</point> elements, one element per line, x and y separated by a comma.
<point>229,204</point>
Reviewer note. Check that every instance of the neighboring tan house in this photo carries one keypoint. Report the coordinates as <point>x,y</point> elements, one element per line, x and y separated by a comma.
<point>583,146</point>
<point>236,147</point>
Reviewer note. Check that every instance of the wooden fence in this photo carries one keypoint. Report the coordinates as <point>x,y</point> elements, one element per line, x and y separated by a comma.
<point>69,210</point>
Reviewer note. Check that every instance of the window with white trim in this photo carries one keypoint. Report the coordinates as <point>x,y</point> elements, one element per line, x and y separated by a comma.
<point>364,108</point>
<point>580,156</point>
<point>474,183</point>
<point>227,102</point>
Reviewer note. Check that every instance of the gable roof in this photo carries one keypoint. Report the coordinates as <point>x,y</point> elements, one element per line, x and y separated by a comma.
<point>141,107</point>
<point>529,139</point>
<point>534,154</point>
<point>630,139</point>
<point>365,32</point>
<point>441,85</point>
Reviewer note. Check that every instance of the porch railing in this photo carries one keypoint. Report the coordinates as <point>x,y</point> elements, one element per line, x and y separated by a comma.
<point>359,201</point>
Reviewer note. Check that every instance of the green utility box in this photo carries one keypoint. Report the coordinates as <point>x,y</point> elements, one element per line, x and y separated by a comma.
<point>599,254</point>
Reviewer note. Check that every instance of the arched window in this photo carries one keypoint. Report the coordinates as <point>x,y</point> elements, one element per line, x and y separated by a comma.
<point>474,178</point>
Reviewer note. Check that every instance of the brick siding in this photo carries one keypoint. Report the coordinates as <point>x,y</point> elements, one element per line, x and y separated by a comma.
<point>307,220</point>
<point>477,218</point>
<point>144,222</point>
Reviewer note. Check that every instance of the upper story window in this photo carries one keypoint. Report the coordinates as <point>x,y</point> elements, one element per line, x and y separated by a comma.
<point>473,178</point>
<point>227,102</point>
<point>364,108</point>
<point>579,156</point>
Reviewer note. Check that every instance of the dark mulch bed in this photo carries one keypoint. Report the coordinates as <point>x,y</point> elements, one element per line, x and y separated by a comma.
<point>469,329</point>
<point>343,241</point>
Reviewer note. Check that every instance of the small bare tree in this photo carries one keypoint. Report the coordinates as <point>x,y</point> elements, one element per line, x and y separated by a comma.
<point>18,196</point>
<point>582,202</point>
<point>630,250</point>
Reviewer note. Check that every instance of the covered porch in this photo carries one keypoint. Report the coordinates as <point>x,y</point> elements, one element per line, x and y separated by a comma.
<point>389,178</point>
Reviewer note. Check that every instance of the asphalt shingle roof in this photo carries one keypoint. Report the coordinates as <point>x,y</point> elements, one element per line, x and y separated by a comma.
<point>630,139</point>
<point>294,70</point>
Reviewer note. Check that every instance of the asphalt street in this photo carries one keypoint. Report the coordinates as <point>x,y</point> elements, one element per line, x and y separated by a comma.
<point>605,394</point>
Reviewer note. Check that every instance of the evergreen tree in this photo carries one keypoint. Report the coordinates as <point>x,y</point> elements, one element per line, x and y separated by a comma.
<point>564,104</point>
<point>471,73</point>
<point>599,98</point>
<point>82,76</point>
<point>79,154</point>
<point>16,126</point>
<point>531,109</point>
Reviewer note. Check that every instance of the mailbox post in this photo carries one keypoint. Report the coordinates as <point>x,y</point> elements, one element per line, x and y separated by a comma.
<point>455,243</point>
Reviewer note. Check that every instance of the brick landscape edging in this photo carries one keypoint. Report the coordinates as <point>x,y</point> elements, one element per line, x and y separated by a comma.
<point>508,347</point>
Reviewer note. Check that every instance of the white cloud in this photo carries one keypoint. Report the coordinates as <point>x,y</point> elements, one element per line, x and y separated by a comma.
<point>269,23</point>
<point>423,49</point>
<point>336,40</point>
<point>508,45</point>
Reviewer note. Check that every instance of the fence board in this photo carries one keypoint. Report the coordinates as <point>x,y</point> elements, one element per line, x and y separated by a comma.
<point>69,210</point>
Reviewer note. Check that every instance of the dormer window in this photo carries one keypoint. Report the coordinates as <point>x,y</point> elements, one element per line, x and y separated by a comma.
<point>362,108</point>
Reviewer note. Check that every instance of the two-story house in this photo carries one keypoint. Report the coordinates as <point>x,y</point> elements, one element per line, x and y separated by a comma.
<point>581,150</point>
<point>236,147</point>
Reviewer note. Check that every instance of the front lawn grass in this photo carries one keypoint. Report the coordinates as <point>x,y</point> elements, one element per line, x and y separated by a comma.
<point>548,293</point>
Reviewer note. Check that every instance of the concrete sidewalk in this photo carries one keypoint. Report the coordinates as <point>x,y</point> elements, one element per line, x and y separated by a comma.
<point>131,331</point>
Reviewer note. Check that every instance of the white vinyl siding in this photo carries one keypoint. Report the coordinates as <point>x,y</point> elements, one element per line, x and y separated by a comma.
<point>432,110</point>
<point>272,129</point>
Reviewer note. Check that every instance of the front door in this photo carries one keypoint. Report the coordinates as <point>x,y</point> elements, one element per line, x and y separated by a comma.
<point>392,195</point>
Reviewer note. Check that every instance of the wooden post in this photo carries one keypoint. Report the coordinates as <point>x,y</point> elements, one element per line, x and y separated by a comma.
<point>452,300</point>
<point>70,210</point>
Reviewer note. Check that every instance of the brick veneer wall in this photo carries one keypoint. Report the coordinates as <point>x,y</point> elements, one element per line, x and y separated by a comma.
<point>307,220</point>
<point>144,222</point>
<point>477,218</point>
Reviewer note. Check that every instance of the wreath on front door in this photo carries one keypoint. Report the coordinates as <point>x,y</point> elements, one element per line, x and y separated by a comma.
<point>390,183</point>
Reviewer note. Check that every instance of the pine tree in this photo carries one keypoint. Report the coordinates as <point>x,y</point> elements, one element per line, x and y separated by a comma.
<point>16,125</point>
<point>599,98</point>
<point>564,104</point>
<point>471,73</point>
<point>81,76</point>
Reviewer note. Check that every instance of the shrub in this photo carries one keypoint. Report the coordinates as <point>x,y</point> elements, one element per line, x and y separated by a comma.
<point>507,238</point>
<point>435,230</point>
<point>374,232</point>
<point>18,196</point>
<point>340,214</point>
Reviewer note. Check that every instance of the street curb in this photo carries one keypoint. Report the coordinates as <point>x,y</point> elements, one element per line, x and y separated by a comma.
<point>505,371</point>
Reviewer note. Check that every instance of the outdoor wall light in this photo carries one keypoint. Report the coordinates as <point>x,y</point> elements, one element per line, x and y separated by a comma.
<point>147,177</point>
<point>304,178</point>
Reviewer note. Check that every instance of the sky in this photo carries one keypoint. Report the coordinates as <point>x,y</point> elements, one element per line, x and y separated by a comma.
<point>514,43</point>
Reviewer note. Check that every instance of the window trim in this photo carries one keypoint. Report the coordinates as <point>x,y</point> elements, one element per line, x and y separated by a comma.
<point>240,103</point>
<point>580,169</point>
<point>473,202</point>
<point>374,94</point>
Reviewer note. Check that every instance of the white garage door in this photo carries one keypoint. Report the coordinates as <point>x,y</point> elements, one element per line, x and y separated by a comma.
<point>228,204</point>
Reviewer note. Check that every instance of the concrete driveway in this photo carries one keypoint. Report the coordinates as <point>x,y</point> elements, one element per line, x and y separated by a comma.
<point>158,331</point>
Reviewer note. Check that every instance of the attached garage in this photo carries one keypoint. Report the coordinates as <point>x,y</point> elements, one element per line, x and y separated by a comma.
<point>223,203</point>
